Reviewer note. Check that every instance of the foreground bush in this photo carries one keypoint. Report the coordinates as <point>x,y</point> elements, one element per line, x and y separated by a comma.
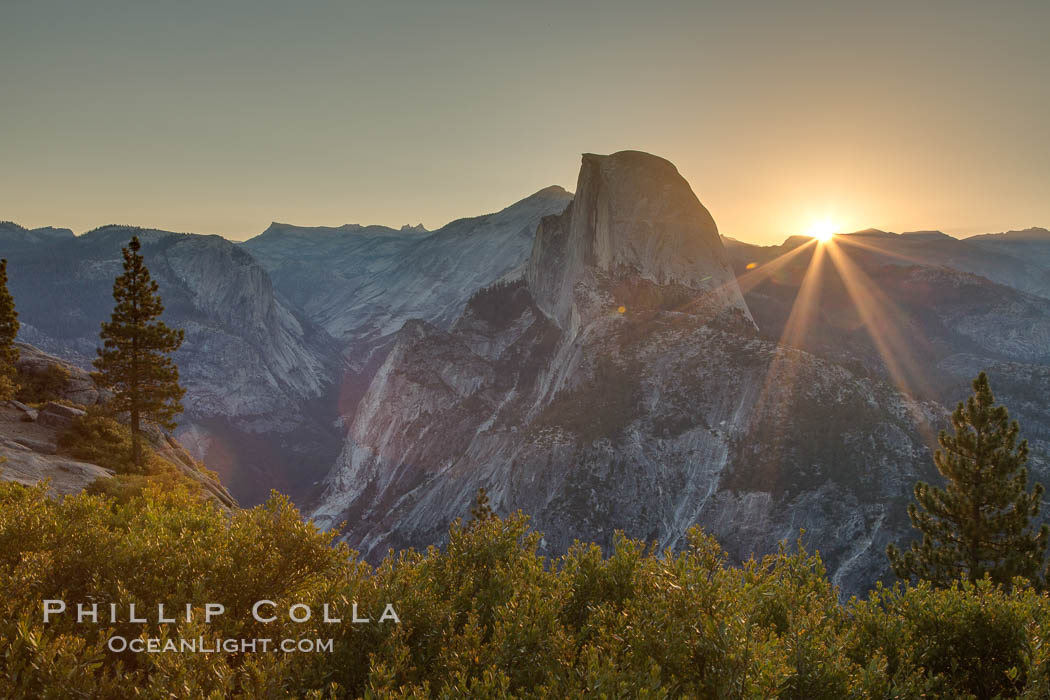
<point>126,487</point>
<point>101,439</point>
<point>47,384</point>
<point>485,616</point>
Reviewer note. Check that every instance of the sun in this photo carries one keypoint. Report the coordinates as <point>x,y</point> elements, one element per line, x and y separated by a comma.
<point>822,230</point>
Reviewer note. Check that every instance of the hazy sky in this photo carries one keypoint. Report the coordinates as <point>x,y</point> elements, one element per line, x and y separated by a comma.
<point>219,116</point>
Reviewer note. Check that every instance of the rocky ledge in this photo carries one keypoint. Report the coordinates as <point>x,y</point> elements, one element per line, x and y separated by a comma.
<point>29,434</point>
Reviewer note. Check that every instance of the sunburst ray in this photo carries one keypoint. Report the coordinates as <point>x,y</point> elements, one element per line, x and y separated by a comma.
<point>752,278</point>
<point>877,312</point>
<point>779,385</point>
<point>853,240</point>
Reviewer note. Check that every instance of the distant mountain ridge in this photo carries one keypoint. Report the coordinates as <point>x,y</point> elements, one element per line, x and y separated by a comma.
<point>1033,233</point>
<point>17,238</point>
<point>1019,259</point>
<point>362,286</point>
<point>363,282</point>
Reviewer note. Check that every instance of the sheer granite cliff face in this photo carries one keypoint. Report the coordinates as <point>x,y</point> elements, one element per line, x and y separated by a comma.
<point>620,383</point>
<point>633,215</point>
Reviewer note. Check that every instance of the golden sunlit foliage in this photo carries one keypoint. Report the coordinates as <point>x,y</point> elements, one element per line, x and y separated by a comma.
<point>485,616</point>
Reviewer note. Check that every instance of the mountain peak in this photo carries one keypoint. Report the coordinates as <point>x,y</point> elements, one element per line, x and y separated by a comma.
<point>551,192</point>
<point>637,161</point>
<point>795,240</point>
<point>632,212</point>
<point>926,235</point>
<point>12,232</point>
<point>871,232</point>
<point>277,230</point>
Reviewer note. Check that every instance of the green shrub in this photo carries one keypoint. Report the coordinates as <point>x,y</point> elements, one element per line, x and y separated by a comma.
<point>125,487</point>
<point>484,616</point>
<point>99,439</point>
<point>165,546</point>
<point>966,641</point>
<point>40,387</point>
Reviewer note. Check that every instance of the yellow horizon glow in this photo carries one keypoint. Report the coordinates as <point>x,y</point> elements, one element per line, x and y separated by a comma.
<point>206,148</point>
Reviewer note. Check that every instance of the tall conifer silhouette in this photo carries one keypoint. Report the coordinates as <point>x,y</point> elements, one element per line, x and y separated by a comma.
<point>135,358</point>
<point>981,522</point>
<point>8,332</point>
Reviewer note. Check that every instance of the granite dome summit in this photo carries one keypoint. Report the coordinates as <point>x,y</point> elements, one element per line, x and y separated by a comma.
<point>632,213</point>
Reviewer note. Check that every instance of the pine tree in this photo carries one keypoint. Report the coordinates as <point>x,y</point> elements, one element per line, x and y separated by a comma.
<point>8,332</point>
<point>134,361</point>
<point>481,510</point>
<point>980,523</point>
